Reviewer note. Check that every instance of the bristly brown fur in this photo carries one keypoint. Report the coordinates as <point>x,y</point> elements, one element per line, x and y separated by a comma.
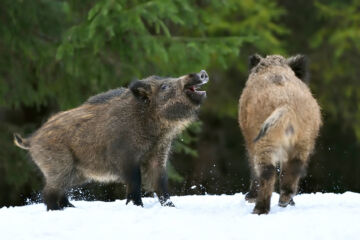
<point>280,121</point>
<point>123,135</point>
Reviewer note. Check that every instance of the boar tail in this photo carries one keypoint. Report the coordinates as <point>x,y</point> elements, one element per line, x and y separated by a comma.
<point>21,142</point>
<point>274,118</point>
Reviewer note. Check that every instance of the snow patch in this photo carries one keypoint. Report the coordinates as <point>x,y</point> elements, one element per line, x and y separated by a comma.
<point>315,216</point>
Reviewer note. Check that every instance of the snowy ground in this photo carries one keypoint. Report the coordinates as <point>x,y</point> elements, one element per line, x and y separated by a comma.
<point>315,216</point>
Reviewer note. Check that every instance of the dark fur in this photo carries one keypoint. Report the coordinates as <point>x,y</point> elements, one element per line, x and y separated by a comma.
<point>299,64</point>
<point>262,132</point>
<point>106,96</point>
<point>254,60</point>
<point>123,135</point>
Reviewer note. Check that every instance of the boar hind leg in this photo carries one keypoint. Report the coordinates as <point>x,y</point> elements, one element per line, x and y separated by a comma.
<point>54,196</point>
<point>291,172</point>
<point>254,188</point>
<point>266,175</point>
<point>60,175</point>
<point>133,186</point>
<point>253,192</point>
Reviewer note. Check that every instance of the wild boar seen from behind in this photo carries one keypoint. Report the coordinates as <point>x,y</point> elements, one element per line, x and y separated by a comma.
<point>123,135</point>
<point>280,120</point>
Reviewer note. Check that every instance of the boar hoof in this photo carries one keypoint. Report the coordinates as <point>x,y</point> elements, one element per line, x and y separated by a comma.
<point>64,202</point>
<point>165,201</point>
<point>136,201</point>
<point>53,200</point>
<point>53,208</point>
<point>286,200</point>
<point>250,197</point>
<point>68,204</point>
<point>261,209</point>
<point>168,204</point>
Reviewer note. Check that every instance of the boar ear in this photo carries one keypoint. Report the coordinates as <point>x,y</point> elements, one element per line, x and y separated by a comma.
<point>141,90</point>
<point>299,64</point>
<point>254,60</point>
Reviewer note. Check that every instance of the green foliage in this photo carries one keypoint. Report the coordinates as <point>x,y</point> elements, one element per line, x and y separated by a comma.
<point>173,174</point>
<point>260,20</point>
<point>16,175</point>
<point>104,44</point>
<point>342,30</point>
<point>337,44</point>
<point>257,19</point>
<point>27,47</point>
<point>183,143</point>
<point>121,40</point>
<point>55,54</point>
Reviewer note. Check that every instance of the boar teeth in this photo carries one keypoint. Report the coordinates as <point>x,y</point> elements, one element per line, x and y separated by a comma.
<point>193,88</point>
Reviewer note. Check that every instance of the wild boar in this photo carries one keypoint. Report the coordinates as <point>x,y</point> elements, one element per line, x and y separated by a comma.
<point>280,121</point>
<point>123,135</point>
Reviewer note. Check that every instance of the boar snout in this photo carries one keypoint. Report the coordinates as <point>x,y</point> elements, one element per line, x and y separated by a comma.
<point>203,76</point>
<point>199,78</point>
<point>193,84</point>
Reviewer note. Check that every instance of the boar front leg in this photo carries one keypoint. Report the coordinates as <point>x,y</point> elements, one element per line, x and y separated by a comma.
<point>266,173</point>
<point>254,186</point>
<point>133,185</point>
<point>253,191</point>
<point>155,176</point>
<point>161,188</point>
<point>291,173</point>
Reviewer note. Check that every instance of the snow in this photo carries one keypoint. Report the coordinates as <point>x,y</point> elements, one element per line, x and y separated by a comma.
<point>315,216</point>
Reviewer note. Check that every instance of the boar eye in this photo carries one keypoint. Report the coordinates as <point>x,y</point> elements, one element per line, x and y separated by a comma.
<point>164,87</point>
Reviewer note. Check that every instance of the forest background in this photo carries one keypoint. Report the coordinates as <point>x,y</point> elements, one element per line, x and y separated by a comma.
<point>54,54</point>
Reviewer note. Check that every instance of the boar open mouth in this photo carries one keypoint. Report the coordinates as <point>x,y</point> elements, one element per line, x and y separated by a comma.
<point>192,87</point>
<point>194,94</point>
